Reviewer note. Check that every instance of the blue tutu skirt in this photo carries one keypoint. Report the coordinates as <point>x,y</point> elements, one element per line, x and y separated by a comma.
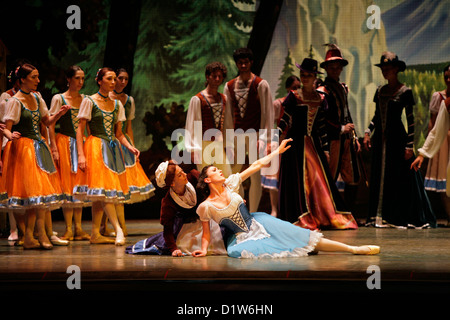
<point>281,239</point>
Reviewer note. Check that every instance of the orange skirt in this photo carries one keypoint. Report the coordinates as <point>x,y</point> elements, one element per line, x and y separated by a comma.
<point>28,184</point>
<point>68,169</point>
<point>101,181</point>
<point>3,192</point>
<point>139,184</point>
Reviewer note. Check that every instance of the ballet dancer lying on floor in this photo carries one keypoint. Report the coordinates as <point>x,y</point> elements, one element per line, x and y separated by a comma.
<point>258,234</point>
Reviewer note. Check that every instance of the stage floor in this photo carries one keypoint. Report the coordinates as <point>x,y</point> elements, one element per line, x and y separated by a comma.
<point>412,264</point>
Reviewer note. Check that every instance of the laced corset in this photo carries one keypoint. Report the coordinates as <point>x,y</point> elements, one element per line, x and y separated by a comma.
<point>69,121</point>
<point>235,216</point>
<point>102,122</point>
<point>29,122</point>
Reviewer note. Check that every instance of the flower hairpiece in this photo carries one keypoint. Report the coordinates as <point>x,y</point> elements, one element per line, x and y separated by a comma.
<point>96,76</point>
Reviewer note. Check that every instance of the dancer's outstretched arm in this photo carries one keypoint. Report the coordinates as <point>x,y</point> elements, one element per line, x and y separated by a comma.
<point>260,163</point>
<point>206,237</point>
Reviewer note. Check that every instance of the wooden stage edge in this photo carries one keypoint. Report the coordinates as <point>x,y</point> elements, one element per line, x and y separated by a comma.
<point>413,264</point>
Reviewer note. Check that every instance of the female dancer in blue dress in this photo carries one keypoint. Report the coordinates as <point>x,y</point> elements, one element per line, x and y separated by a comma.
<point>257,235</point>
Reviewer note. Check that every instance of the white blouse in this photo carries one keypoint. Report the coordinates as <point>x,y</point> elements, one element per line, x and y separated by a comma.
<point>57,103</point>
<point>207,211</point>
<point>437,135</point>
<point>86,110</point>
<point>13,109</point>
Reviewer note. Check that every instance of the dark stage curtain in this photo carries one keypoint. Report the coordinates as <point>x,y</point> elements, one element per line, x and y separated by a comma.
<point>264,24</point>
<point>123,30</point>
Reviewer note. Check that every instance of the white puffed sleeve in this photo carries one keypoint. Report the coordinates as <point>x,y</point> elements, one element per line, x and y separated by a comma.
<point>132,114</point>
<point>85,109</point>
<point>42,106</point>
<point>55,104</point>
<point>121,117</point>
<point>203,211</point>
<point>267,111</point>
<point>437,134</point>
<point>193,142</point>
<point>435,102</point>
<point>12,111</point>
<point>228,120</point>
<point>233,182</point>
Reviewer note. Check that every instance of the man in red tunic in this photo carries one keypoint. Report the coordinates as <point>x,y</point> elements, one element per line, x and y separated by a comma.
<point>249,105</point>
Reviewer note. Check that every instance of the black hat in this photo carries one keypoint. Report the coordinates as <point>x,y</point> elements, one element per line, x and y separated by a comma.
<point>390,58</point>
<point>333,54</point>
<point>308,65</point>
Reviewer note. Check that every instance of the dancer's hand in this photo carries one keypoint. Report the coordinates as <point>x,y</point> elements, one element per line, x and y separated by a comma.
<point>408,154</point>
<point>177,253</point>
<point>134,151</point>
<point>199,253</point>
<point>82,163</point>
<point>283,145</point>
<point>348,128</point>
<point>55,155</point>
<point>64,109</point>
<point>417,163</point>
<point>358,146</point>
<point>16,135</point>
<point>366,142</point>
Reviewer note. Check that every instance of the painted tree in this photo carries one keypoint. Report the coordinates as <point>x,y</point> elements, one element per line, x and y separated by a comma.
<point>204,32</point>
<point>288,70</point>
<point>152,65</point>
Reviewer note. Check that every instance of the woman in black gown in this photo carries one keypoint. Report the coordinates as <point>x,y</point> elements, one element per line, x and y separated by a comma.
<point>397,194</point>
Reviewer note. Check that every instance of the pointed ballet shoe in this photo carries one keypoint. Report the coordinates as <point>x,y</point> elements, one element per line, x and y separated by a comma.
<point>13,236</point>
<point>68,235</point>
<point>28,246</point>
<point>372,250</point>
<point>80,236</point>
<point>58,242</point>
<point>46,246</point>
<point>120,242</point>
<point>101,240</point>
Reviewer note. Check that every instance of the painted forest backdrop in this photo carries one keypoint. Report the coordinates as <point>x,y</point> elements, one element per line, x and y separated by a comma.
<point>165,46</point>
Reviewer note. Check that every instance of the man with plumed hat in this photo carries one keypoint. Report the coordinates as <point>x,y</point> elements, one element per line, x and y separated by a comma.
<point>341,132</point>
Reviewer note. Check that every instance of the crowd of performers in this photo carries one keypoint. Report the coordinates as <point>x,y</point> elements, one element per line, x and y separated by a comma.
<point>92,161</point>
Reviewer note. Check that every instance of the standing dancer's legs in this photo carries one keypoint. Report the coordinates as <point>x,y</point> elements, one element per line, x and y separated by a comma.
<point>110,210</point>
<point>97,214</point>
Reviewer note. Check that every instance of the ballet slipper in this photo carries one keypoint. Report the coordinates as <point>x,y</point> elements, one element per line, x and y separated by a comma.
<point>33,244</point>
<point>80,235</point>
<point>120,239</point>
<point>366,250</point>
<point>58,242</point>
<point>13,236</point>
<point>120,242</point>
<point>99,239</point>
<point>45,243</point>
<point>107,232</point>
<point>68,235</point>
